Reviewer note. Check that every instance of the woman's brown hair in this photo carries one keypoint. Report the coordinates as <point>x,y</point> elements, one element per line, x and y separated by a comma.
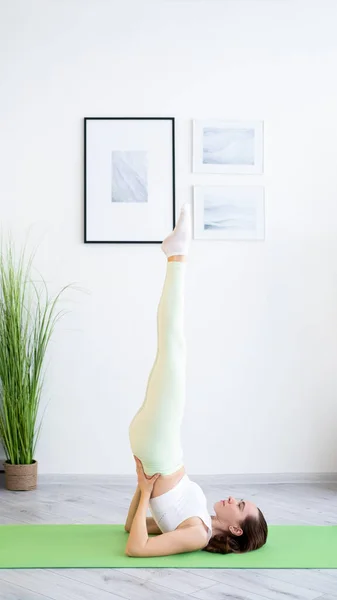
<point>254,536</point>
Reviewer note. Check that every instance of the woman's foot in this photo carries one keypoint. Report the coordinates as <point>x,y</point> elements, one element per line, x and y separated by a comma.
<point>177,243</point>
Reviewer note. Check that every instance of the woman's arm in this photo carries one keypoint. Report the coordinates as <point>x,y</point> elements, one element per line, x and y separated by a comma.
<point>132,509</point>
<point>182,540</point>
<point>175,542</point>
<point>138,533</point>
<point>151,525</point>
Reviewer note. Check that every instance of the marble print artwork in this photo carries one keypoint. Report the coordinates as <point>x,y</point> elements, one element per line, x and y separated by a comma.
<point>228,146</point>
<point>129,176</point>
<point>229,215</point>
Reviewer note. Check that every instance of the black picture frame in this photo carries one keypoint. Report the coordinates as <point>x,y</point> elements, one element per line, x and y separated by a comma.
<point>85,121</point>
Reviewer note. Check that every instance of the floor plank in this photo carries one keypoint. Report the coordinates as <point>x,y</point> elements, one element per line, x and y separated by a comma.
<point>55,586</point>
<point>223,591</point>
<point>186,582</point>
<point>319,579</point>
<point>127,585</point>
<point>9,591</point>
<point>260,584</point>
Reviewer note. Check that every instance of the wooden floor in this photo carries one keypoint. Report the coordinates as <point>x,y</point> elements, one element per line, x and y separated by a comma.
<point>86,500</point>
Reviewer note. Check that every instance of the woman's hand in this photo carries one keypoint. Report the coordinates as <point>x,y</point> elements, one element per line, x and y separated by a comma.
<point>145,483</point>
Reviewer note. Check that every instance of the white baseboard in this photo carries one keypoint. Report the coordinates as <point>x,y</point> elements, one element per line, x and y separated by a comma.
<point>214,480</point>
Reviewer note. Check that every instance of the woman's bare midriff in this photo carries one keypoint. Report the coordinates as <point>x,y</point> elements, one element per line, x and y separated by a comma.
<point>165,483</point>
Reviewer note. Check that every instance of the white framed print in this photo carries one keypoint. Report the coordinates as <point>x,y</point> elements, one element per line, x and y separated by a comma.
<point>232,147</point>
<point>229,212</point>
<point>129,179</point>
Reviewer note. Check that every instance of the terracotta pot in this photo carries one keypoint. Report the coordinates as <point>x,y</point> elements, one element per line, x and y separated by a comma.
<point>21,478</point>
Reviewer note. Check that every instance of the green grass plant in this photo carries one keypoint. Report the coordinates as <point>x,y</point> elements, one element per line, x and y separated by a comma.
<point>28,316</point>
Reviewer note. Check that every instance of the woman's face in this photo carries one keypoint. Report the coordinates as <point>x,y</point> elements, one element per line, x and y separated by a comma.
<point>231,512</point>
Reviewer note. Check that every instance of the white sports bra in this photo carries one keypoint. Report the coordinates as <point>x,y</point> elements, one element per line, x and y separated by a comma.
<point>184,501</point>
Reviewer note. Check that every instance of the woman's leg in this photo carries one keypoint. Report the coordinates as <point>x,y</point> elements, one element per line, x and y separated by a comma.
<point>155,430</point>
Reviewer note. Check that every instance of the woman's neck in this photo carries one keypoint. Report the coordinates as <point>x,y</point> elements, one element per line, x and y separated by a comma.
<point>217,528</point>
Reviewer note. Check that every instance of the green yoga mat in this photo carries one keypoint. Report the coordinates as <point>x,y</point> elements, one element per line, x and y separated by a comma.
<point>29,546</point>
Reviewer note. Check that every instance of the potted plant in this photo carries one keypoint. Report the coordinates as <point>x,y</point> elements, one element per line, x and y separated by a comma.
<point>27,319</point>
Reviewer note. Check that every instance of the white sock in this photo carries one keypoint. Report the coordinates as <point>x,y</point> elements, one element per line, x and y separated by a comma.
<point>179,240</point>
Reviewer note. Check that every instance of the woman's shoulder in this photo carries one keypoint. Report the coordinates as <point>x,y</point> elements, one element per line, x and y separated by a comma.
<point>198,526</point>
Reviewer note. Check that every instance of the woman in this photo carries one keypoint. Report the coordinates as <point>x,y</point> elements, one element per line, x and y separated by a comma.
<point>178,505</point>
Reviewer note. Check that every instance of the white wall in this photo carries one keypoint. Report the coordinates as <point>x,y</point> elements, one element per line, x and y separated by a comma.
<point>261,318</point>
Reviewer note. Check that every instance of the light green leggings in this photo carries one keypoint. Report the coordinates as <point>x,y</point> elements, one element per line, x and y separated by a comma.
<point>155,430</point>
